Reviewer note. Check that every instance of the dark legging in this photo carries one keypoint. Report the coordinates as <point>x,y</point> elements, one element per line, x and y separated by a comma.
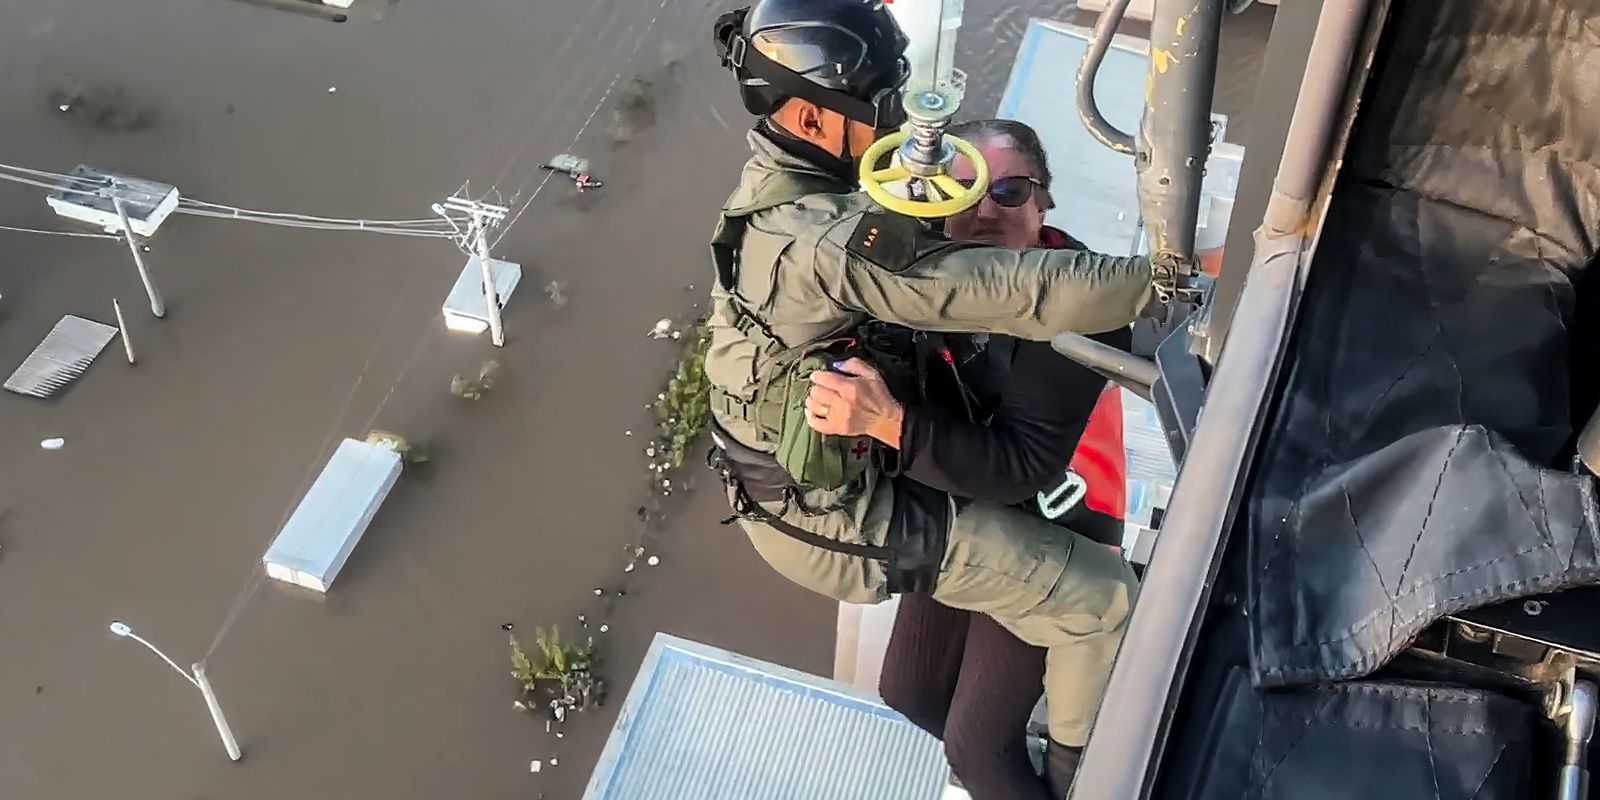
<point>971,683</point>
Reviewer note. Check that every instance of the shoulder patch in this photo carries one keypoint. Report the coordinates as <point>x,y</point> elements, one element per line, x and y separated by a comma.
<point>888,240</point>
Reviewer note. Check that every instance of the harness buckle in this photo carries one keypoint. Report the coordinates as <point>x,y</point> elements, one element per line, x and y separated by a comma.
<point>1066,495</point>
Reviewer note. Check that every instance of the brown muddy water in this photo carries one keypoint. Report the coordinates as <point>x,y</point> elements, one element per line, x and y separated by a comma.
<point>176,472</point>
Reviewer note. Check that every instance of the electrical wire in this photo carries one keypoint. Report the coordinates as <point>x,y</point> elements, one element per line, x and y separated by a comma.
<point>60,233</point>
<point>573,36</point>
<point>349,225</point>
<point>52,186</point>
<point>431,222</point>
<point>649,26</point>
<point>426,227</point>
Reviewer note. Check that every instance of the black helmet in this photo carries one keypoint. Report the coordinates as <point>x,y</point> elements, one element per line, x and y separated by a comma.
<point>844,55</point>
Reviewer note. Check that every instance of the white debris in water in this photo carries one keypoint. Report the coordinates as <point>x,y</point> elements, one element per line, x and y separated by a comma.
<point>653,561</point>
<point>332,89</point>
<point>560,735</point>
<point>627,433</point>
<point>604,627</point>
<point>677,334</point>
<point>555,762</point>
<point>628,568</point>
<point>662,330</point>
<point>535,765</point>
<point>519,705</point>
<point>53,444</point>
<point>64,108</point>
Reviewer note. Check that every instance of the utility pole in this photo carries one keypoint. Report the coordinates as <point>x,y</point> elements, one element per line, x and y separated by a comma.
<point>157,306</point>
<point>122,329</point>
<point>483,216</point>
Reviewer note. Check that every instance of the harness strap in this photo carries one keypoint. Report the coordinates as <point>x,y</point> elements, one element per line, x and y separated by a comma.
<point>747,507</point>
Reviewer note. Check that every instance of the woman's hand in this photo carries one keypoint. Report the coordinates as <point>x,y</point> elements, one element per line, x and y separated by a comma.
<point>853,400</point>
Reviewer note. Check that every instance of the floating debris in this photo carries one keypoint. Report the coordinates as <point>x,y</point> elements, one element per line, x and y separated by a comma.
<point>332,89</point>
<point>555,762</point>
<point>469,388</point>
<point>559,735</point>
<point>636,110</point>
<point>557,293</point>
<point>627,433</point>
<point>53,444</point>
<point>63,356</point>
<point>583,620</point>
<point>518,705</point>
<point>662,330</point>
<point>535,765</point>
<point>628,568</point>
<point>604,627</point>
<point>653,561</point>
<point>598,591</point>
<point>410,452</point>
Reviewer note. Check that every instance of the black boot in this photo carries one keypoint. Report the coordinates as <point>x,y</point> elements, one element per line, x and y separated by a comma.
<point>1060,766</point>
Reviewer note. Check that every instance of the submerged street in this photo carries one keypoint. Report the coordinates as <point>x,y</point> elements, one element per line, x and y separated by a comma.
<point>175,473</point>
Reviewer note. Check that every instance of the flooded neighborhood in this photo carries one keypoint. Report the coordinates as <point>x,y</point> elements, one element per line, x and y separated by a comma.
<point>539,503</point>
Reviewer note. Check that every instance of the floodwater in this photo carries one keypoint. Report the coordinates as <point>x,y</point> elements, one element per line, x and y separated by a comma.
<point>176,472</point>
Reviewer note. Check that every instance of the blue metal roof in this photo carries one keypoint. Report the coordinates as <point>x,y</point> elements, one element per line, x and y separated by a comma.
<point>708,724</point>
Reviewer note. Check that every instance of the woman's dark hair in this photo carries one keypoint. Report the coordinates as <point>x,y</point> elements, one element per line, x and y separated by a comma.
<point>1020,137</point>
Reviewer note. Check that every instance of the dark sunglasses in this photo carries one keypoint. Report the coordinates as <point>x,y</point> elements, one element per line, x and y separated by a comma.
<point>1014,191</point>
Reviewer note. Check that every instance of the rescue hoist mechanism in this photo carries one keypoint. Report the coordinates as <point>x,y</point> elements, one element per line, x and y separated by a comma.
<point>922,151</point>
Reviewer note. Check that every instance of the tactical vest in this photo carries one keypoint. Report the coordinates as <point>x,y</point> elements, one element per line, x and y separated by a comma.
<point>776,408</point>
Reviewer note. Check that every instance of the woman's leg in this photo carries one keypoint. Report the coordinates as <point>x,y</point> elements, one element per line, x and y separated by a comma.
<point>923,661</point>
<point>985,736</point>
<point>1052,588</point>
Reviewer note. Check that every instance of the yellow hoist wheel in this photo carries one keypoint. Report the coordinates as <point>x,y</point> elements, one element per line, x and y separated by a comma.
<point>958,198</point>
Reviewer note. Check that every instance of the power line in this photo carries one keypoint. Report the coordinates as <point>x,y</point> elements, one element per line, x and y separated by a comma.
<point>428,227</point>
<point>431,222</point>
<point>585,126</point>
<point>350,225</point>
<point>575,35</point>
<point>59,233</point>
<point>51,186</point>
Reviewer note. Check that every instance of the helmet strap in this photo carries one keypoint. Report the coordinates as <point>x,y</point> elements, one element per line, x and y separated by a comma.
<point>748,62</point>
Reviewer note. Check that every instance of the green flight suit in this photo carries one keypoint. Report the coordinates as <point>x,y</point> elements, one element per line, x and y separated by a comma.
<point>806,272</point>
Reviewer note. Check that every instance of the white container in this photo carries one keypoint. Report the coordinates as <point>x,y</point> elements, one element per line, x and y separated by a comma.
<point>323,530</point>
<point>83,197</point>
<point>465,309</point>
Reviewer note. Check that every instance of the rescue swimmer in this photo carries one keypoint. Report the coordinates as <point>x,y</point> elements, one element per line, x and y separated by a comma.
<point>802,260</point>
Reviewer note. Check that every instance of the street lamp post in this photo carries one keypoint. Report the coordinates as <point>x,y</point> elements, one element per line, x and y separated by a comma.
<point>198,679</point>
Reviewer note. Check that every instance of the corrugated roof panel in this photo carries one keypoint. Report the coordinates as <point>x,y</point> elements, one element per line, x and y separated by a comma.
<point>708,724</point>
